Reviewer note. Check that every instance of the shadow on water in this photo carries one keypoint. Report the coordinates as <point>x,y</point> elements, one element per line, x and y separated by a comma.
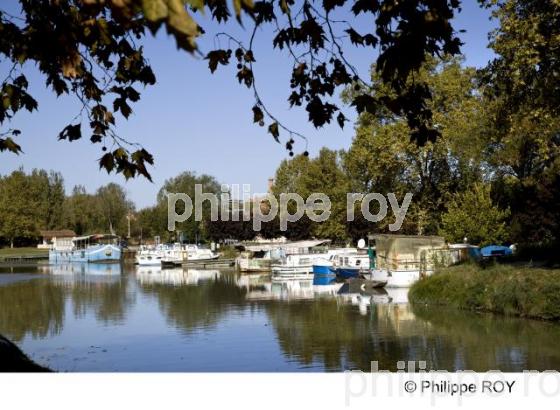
<point>248,322</point>
<point>192,299</point>
<point>37,307</point>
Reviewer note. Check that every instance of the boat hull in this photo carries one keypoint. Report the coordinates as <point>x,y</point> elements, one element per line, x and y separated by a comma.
<point>92,254</point>
<point>397,278</point>
<point>323,275</point>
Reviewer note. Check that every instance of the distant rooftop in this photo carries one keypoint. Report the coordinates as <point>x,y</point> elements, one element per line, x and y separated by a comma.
<point>62,233</point>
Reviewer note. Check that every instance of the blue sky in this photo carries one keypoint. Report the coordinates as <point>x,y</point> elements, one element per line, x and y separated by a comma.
<point>192,120</point>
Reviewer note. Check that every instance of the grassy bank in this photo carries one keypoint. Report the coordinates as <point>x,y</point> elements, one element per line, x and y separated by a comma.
<point>22,252</point>
<point>511,290</point>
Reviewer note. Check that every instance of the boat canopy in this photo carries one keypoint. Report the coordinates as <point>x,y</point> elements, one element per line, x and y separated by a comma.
<point>94,237</point>
<point>287,245</point>
<point>407,252</point>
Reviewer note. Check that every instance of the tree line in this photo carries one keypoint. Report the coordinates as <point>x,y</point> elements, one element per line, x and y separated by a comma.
<point>36,201</point>
<point>493,175</point>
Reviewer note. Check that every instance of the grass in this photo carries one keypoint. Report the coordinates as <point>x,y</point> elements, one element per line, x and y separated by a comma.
<point>19,252</point>
<point>507,289</point>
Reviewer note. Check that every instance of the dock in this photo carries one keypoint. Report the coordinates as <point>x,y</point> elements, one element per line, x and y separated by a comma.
<point>208,264</point>
<point>21,259</point>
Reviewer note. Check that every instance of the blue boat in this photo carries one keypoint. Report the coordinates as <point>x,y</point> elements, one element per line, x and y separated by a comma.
<point>323,273</point>
<point>495,251</point>
<point>350,264</point>
<point>347,272</point>
<point>91,249</point>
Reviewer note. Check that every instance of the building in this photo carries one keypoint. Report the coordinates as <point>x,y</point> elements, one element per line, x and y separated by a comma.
<point>61,239</point>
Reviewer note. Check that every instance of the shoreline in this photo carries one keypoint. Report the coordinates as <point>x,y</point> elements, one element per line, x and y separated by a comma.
<point>511,290</point>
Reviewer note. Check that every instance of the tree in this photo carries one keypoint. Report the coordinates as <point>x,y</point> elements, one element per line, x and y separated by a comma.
<point>88,49</point>
<point>18,207</point>
<point>473,215</point>
<point>305,176</point>
<point>114,207</point>
<point>81,211</point>
<point>101,212</point>
<point>185,183</point>
<point>381,158</point>
<point>523,99</point>
<point>48,189</point>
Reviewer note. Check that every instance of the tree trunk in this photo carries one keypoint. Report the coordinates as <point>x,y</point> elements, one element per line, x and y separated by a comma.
<point>12,243</point>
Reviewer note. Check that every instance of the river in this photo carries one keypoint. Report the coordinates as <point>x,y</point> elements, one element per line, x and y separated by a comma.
<point>109,318</point>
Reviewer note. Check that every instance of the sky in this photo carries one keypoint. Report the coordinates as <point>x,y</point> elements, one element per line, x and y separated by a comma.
<point>193,120</point>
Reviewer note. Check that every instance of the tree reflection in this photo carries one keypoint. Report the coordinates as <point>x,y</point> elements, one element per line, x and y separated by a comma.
<point>198,304</point>
<point>35,307</point>
<point>109,301</point>
<point>469,341</point>
<point>341,338</point>
<point>97,288</point>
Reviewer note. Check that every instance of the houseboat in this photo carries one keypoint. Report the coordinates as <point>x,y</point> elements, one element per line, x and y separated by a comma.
<point>97,248</point>
<point>401,260</point>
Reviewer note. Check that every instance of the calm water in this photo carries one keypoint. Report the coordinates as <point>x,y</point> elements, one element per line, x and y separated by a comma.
<point>108,318</point>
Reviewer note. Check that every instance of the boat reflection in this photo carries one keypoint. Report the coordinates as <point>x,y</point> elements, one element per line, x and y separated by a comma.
<point>73,270</point>
<point>219,320</point>
<point>176,277</point>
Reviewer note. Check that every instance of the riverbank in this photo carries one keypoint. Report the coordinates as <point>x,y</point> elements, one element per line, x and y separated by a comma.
<point>23,253</point>
<point>507,289</point>
<point>12,359</point>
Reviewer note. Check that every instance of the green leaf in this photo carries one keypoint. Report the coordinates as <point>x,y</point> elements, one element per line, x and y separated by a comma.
<point>8,144</point>
<point>274,130</point>
<point>154,10</point>
<point>181,25</point>
<point>71,132</point>
<point>107,161</point>
<point>257,114</point>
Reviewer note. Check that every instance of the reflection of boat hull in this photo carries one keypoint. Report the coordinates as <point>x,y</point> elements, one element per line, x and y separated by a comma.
<point>291,272</point>
<point>253,264</point>
<point>92,254</point>
<point>347,272</point>
<point>396,278</point>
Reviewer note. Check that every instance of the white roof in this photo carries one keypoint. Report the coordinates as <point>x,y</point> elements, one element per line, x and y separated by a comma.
<point>287,245</point>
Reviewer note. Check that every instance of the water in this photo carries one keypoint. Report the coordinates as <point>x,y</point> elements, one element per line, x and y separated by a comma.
<point>108,318</point>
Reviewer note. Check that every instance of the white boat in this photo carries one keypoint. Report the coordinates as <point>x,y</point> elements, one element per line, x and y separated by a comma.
<point>196,253</point>
<point>297,266</point>
<point>149,258</point>
<point>351,263</point>
<point>173,255</point>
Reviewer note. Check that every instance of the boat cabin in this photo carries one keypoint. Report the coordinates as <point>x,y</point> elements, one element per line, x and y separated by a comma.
<point>84,242</point>
<point>408,252</point>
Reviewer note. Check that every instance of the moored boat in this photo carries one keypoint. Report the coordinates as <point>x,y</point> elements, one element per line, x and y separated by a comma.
<point>323,273</point>
<point>351,263</point>
<point>97,248</point>
<point>401,260</point>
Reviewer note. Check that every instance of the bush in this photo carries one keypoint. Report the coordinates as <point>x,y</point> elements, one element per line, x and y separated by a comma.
<point>507,289</point>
